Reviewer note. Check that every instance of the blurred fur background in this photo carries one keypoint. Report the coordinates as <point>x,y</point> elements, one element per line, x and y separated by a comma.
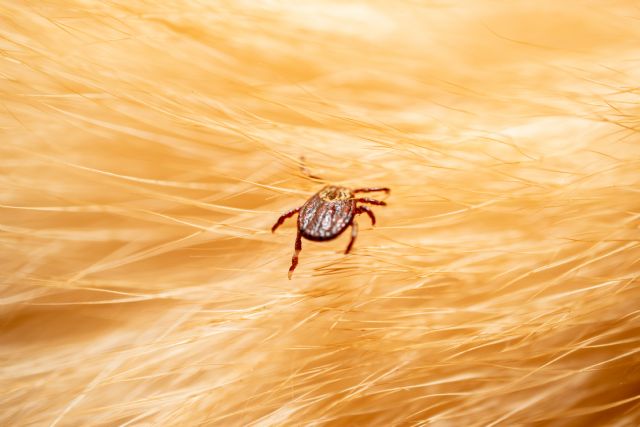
<point>147,148</point>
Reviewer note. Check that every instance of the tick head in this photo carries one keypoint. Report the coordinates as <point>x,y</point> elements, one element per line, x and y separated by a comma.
<point>332,193</point>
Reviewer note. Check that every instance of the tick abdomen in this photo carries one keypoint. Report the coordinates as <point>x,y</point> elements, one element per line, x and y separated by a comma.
<point>327,214</point>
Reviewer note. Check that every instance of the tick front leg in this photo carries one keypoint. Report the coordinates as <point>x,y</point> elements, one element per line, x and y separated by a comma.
<point>296,252</point>
<point>305,171</point>
<point>371,201</point>
<point>287,214</point>
<point>371,190</point>
<point>365,209</point>
<point>354,234</point>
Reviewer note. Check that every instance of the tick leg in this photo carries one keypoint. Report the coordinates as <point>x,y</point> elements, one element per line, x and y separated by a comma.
<point>287,214</point>
<point>365,209</point>
<point>371,190</point>
<point>296,252</point>
<point>354,234</point>
<point>371,201</point>
<point>305,171</point>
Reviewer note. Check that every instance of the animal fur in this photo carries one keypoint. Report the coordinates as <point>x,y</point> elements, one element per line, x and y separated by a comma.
<point>148,147</point>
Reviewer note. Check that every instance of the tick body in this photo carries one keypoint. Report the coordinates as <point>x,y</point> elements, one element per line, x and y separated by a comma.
<point>327,214</point>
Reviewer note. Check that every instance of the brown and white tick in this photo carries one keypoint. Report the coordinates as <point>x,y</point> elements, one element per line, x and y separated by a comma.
<point>327,214</point>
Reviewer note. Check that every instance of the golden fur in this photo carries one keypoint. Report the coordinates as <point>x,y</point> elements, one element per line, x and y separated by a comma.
<point>148,147</point>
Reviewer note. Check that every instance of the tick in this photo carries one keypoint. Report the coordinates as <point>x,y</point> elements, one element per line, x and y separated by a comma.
<point>327,214</point>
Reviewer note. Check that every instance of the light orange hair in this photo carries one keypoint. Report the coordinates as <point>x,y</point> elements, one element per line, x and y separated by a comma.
<point>148,147</point>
